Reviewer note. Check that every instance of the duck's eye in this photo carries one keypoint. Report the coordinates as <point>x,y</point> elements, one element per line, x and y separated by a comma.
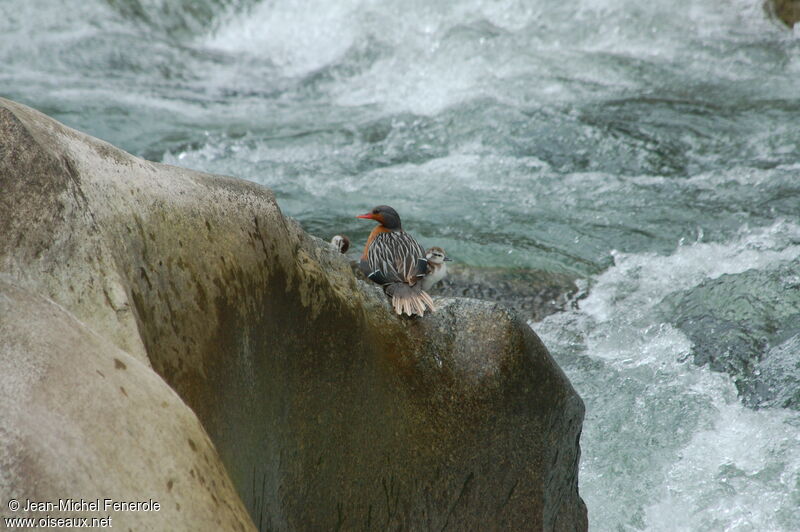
<point>375,211</point>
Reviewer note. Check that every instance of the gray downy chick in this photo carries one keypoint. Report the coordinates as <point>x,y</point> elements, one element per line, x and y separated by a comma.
<point>437,267</point>
<point>340,243</point>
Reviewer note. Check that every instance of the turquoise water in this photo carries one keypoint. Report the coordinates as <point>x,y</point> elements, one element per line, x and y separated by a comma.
<point>651,150</point>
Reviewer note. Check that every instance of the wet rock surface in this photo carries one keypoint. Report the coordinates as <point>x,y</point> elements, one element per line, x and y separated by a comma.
<point>326,410</point>
<point>735,321</point>
<point>533,294</point>
<point>787,11</point>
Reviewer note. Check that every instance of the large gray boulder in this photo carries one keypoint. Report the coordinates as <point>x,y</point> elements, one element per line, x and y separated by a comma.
<point>326,410</point>
<point>84,420</point>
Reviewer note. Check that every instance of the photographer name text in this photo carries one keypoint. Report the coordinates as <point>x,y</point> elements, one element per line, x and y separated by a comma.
<point>90,505</point>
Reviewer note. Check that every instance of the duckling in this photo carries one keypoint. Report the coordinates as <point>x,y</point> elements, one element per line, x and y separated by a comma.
<point>341,243</point>
<point>437,269</point>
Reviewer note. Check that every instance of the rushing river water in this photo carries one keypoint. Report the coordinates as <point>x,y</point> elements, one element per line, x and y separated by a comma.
<point>649,149</point>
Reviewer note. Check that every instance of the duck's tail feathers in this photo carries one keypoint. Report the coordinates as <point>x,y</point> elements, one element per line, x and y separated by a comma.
<point>408,299</point>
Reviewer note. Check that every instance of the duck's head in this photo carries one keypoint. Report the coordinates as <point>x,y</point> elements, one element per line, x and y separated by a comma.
<point>384,215</point>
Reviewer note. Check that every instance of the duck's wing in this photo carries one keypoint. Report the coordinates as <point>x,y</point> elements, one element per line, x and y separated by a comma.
<point>395,257</point>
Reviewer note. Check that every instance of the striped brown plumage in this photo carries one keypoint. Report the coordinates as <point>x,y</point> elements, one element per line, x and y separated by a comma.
<point>391,258</point>
<point>395,253</point>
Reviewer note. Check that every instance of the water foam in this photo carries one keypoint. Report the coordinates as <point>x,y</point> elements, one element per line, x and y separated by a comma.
<point>642,280</point>
<point>668,445</point>
<point>298,36</point>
